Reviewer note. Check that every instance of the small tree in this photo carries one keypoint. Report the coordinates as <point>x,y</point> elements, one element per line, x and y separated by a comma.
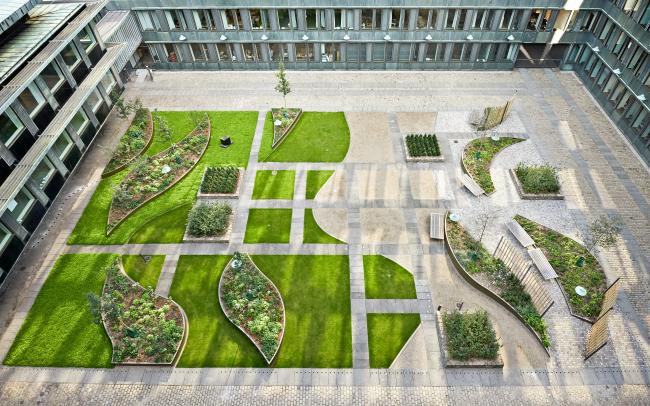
<point>283,87</point>
<point>485,215</point>
<point>162,127</point>
<point>125,107</point>
<point>603,232</point>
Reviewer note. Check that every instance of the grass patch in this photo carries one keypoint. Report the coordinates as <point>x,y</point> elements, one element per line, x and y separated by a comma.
<point>386,279</point>
<point>145,273</point>
<point>470,336</point>
<point>91,228</point>
<point>387,334</point>
<point>316,294</point>
<point>473,256</point>
<point>538,179</point>
<point>268,226</point>
<point>313,234</point>
<point>478,155</point>
<point>274,185</point>
<point>422,145</point>
<point>317,137</point>
<point>166,228</point>
<point>563,253</point>
<point>315,181</point>
<point>59,329</point>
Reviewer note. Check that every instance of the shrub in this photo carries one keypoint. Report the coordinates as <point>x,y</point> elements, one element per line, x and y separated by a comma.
<point>538,178</point>
<point>208,219</point>
<point>478,155</point>
<point>220,179</point>
<point>470,336</point>
<point>421,145</point>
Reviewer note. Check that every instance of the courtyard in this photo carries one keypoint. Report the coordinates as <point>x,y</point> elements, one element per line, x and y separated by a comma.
<point>338,220</point>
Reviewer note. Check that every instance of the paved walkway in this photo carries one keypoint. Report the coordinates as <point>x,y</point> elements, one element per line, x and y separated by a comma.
<point>599,175</point>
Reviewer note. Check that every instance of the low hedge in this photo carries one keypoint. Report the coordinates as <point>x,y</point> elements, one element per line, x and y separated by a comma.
<point>422,145</point>
<point>220,179</point>
<point>470,336</point>
<point>538,179</point>
<point>208,219</point>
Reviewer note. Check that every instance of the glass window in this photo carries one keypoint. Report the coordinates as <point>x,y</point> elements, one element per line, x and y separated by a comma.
<point>534,20</point>
<point>10,127</point>
<point>108,81</point>
<point>79,122</point>
<point>70,56</point>
<point>331,52</point>
<point>304,52</point>
<point>95,100</point>
<point>505,19</point>
<point>203,20</point>
<point>172,55</point>
<point>199,51</point>
<point>43,173</point>
<point>478,19</point>
<point>148,21</point>
<point>52,76</point>
<point>456,51</point>
<point>278,52</point>
<point>32,100</point>
<point>231,20</point>
<point>5,236</point>
<point>397,19</point>
<point>20,205</point>
<point>370,19</point>
<point>310,16</point>
<point>287,19</point>
<point>378,52</point>
<point>87,39</point>
<point>250,54</point>
<point>225,53</point>
<point>545,20</point>
<point>426,19</point>
<point>404,52</point>
<point>451,16</point>
<point>175,20</point>
<point>259,19</point>
<point>62,145</point>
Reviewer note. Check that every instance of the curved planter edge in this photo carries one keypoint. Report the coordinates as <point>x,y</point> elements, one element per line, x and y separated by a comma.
<point>284,316</point>
<point>461,270</point>
<point>179,348</point>
<point>464,168</point>
<point>109,232</point>
<point>139,154</point>
<point>286,133</point>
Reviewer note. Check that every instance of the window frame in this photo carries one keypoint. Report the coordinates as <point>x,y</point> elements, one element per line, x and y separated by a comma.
<point>20,127</point>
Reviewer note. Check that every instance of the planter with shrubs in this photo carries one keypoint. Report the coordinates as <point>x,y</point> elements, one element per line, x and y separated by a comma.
<point>209,221</point>
<point>133,143</point>
<point>468,339</point>
<point>536,182</point>
<point>223,181</point>
<point>478,155</point>
<point>422,148</point>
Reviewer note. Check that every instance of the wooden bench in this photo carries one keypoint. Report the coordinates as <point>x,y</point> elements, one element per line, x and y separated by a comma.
<point>542,264</point>
<point>520,234</point>
<point>471,185</point>
<point>437,226</point>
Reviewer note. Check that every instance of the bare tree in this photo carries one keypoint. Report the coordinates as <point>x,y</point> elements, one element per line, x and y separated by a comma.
<point>485,215</point>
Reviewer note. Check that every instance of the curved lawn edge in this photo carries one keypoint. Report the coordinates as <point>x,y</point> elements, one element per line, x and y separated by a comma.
<point>284,316</point>
<point>474,176</point>
<point>148,136</point>
<point>566,293</point>
<point>208,131</point>
<point>483,289</point>
<point>186,326</point>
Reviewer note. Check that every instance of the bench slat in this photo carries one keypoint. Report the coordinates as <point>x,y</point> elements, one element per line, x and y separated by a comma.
<point>520,234</point>
<point>437,230</point>
<point>471,185</point>
<point>542,263</point>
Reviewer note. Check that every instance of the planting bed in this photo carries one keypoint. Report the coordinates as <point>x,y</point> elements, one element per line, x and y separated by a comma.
<point>143,327</point>
<point>469,340</point>
<point>422,148</point>
<point>563,254</point>
<point>133,143</point>
<point>252,303</point>
<point>536,182</point>
<point>156,174</point>
<point>221,181</point>
<point>209,221</point>
<point>478,155</point>
<point>493,275</point>
<point>288,119</point>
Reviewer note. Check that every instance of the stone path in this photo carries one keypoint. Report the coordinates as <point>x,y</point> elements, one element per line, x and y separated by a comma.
<point>167,274</point>
<point>563,127</point>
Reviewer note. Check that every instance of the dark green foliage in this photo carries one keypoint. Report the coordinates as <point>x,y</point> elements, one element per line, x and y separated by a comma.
<point>563,253</point>
<point>473,256</point>
<point>478,155</point>
<point>421,145</point>
<point>470,336</point>
<point>208,219</point>
<point>132,142</point>
<point>220,179</point>
<point>253,303</point>
<point>538,179</point>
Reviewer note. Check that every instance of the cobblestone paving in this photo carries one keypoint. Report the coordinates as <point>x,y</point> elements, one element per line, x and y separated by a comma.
<point>563,127</point>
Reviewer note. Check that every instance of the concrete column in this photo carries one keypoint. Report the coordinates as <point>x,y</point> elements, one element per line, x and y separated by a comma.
<point>245,16</point>
<point>273,20</point>
<point>66,71</point>
<point>24,117</point>
<point>80,48</point>
<point>162,19</point>
<point>301,19</point>
<point>75,137</point>
<point>91,114</point>
<point>40,84</point>
<point>472,55</point>
<point>58,163</point>
<point>37,192</point>
<point>190,24</point>
<point>14,227</point>
<point>105,96</point>
<point>525,18</point>
<point>551,21</point>
<point>6,154</point>
<point>98,38</point>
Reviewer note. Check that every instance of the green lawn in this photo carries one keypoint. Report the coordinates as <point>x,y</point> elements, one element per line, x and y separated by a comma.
<point>387,334</point>
<point>166,228</point>
<point>313,234</point>
<point>274,185</point>
<point>91,228</point>
<point>316,294</point>
<point>268,226</point>
<point>315,181</point>
<point>145,273</point>
<point>386,279</point>
<point>318,137</point>
<point>58,330</point>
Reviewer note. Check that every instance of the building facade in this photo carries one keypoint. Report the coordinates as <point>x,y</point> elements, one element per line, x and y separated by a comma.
<point>57,74</point>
